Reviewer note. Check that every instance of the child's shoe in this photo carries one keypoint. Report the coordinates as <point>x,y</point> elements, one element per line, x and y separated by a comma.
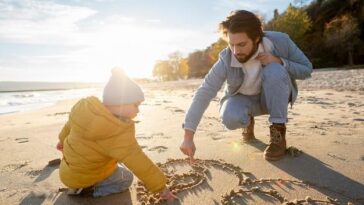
<point>74,191</point>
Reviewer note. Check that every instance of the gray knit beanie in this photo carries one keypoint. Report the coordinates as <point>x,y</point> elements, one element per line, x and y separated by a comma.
<point>121,90</point>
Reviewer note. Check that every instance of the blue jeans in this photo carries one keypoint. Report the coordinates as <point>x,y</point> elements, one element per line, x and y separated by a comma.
<point>118,182</point>
<point>236,110</point>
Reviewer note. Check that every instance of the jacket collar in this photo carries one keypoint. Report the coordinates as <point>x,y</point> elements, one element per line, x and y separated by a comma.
<point>265,46</point>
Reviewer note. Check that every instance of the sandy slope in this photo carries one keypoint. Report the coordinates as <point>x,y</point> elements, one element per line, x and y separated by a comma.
<point>326,123</point>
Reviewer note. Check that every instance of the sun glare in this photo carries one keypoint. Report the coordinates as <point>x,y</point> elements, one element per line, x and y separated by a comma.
<point>134,49</point>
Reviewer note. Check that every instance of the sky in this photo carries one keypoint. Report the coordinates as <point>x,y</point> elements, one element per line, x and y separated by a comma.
<point>82,40</point>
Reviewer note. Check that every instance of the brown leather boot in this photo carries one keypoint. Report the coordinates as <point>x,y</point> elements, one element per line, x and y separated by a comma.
<point>277,144</point>
<point>248,132</point>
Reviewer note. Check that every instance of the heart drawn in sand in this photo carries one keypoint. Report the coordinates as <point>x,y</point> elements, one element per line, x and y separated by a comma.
<point>241,193</point>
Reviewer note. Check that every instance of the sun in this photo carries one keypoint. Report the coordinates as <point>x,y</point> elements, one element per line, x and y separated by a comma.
<point>134,49</point>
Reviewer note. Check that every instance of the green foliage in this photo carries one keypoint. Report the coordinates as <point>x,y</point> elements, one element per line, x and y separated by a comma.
<point>343,33</point>
<point>330,33</point>
<point>294,21</point>
<point>197,64</point>
<point>325,42</point>
<point>164,70</point>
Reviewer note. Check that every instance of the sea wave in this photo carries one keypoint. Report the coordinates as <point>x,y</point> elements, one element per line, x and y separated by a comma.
<point>20,101</point>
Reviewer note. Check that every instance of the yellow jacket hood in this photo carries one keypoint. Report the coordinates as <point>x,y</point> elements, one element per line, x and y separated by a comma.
<point>91,117</point>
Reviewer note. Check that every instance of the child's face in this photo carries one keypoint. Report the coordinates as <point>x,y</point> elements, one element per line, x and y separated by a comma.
<point>129,110</point>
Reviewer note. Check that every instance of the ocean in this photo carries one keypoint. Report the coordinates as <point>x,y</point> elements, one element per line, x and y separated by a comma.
<point>22,96</point>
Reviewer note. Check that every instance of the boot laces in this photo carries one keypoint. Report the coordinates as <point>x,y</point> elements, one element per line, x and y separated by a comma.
<point>276,136</point>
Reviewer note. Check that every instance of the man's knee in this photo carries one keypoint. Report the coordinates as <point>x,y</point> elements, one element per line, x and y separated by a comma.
<point>232,121</point>
<point>275,72</point>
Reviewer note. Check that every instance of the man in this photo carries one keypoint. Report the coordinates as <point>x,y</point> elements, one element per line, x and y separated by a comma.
<point>260,70</point>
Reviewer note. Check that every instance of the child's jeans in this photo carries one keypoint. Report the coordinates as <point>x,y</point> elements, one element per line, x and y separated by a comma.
<point>118,182</point>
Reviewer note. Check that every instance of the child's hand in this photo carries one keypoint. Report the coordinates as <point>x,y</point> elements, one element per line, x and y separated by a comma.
<point>60,146</point>
<point>167,195</point>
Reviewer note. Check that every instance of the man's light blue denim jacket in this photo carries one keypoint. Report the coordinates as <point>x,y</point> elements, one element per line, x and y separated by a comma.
<point>295,61</point>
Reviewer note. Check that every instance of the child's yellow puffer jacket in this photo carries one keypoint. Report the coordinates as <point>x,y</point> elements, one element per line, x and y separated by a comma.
<point>94,141</point>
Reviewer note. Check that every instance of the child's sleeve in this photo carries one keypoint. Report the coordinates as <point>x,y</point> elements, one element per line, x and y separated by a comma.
<point>64,132</point>
<point>127,151</point>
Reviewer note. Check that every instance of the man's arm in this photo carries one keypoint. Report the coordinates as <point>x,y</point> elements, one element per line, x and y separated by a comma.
<point>206,92</point>
<point>297,64</point>
<point>203,96</point>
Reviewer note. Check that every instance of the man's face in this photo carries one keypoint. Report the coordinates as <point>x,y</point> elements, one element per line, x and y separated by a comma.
<point>242,46</point>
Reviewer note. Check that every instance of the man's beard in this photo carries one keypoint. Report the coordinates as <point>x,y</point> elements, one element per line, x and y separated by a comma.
<point>242,58</point>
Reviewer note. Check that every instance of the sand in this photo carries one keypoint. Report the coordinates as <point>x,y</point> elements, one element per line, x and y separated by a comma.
<point>326,124</point>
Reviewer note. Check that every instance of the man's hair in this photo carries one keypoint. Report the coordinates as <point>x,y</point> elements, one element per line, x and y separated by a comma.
<point>242,21</point>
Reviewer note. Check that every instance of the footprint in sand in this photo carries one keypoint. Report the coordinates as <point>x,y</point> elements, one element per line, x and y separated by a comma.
<point>166,101</point>
<point>143,137</point>
<point>160,135</point>
<point>33,173</point>
<point>143,146</point>
<point>215,136</point>
<point>179,110</point>
<point>175,109</point>
<point>225,183</point>
<point>13,167</point>
<point>61,113</point>
<point>336,157</point>
<point>159,149</point>
<point>22,140</point>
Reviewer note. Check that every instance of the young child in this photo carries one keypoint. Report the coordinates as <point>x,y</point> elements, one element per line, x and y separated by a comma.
<point>100,135</point>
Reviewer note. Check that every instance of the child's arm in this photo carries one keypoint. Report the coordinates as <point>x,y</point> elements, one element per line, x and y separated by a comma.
<point>125,149</point>
<point>64,132</point>
<point>62,136</point>
<point>59,146</point>
<point>145,170</point>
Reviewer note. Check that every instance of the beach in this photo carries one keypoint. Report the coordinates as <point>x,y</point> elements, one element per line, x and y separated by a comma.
<point>326,125</point>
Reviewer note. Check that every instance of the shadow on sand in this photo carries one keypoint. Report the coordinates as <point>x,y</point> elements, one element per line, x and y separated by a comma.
<point>123,198</point>
<point>320,176</point>
<point>38,197</point>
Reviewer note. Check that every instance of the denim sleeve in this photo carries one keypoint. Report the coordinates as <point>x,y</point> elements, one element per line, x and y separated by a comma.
<point>297,64</point>
<point>205,93</point>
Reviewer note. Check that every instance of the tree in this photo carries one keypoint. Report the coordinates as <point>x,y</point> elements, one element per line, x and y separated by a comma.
<point>294,22</point>
<point>215,49</point>
<point>300,3</point>
<point>163,70</point>
<point>275,14</point>
<point>199,63</point>
<point>183,68</point>
<point>342,32</point>
<point>175,67</point>
<point>174,61</point>
<point>322,12</point>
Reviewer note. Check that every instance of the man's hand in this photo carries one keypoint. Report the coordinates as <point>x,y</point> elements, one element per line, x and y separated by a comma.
<point>266,58</point>
<point>59,146</point>
<point>167,195</point>
<point>188,146</point>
